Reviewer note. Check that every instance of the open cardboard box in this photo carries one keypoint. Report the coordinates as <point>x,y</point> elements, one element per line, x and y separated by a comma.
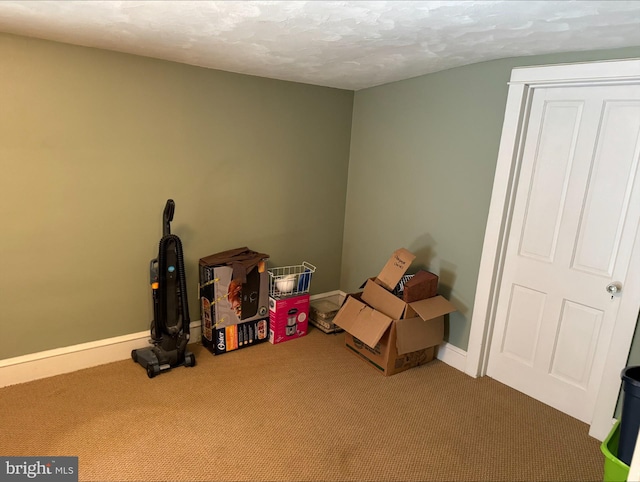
<point>390,334</point>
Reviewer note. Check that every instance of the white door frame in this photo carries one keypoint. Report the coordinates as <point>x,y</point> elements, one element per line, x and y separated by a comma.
<point>522,84</point>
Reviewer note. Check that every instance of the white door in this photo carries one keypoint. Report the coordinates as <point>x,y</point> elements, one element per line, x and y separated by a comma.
<point>573,225</point>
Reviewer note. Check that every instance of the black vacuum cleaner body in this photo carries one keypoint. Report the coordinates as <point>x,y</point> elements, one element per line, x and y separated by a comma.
<point>170,325</point>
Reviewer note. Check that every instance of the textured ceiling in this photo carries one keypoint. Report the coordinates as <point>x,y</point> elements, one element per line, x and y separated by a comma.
<point>349,45</point>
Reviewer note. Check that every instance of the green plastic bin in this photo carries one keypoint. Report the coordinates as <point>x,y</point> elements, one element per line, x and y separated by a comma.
<point>615,470</point>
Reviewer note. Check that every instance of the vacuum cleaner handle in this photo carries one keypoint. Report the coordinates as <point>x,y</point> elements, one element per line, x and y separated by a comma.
<point>169,209</point>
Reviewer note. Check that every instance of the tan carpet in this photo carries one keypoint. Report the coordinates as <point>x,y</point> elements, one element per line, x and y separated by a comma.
<point>302,410</point>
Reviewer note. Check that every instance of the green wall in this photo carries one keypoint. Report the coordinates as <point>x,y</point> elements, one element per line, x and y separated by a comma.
<point>93,143</point>
<point>423,155</point>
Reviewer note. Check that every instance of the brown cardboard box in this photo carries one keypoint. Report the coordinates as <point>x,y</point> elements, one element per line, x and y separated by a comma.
<point>421,286</point>
<point>392,345</point>
<point>388,333</point>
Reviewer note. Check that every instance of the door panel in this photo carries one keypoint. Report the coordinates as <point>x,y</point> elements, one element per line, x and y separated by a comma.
<point>548,189</point>
<point>615,165</point>
<point>571,361</point>
<point>523,323</point>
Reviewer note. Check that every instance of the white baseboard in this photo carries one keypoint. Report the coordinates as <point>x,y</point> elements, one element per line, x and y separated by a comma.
<point>49,363</point>
<point>452,356</point>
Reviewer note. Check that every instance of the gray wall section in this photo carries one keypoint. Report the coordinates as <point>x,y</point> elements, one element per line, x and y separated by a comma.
<point>93,143</point>
<point>423,156</point>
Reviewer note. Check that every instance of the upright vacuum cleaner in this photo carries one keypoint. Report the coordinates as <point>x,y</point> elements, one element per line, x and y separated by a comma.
<point>170,325</point>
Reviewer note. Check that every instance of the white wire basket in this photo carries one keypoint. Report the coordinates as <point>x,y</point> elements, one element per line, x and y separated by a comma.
<point>289,281</point>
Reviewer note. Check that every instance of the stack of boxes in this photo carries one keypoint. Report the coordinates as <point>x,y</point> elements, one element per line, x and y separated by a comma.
<point>289,302</point>
<point>394,333</point>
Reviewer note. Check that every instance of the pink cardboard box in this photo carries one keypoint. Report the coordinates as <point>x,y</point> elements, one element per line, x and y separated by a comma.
<point>288,318</point>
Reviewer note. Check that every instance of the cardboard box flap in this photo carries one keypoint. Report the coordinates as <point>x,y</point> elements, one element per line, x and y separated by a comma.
<point>413,334</point>
<point>395,268</point>
<point>382,300</point>
<point>432,307</point>
<point>361,321</point>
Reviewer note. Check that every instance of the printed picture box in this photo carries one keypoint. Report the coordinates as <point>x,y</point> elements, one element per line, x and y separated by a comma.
<point>288,318</point>
<point>234,314</point>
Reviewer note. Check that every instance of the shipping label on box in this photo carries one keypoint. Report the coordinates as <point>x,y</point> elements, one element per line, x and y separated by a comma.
<point>288,318</point>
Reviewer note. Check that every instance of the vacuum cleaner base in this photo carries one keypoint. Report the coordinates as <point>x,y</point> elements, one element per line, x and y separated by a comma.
<point>156,360</point>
